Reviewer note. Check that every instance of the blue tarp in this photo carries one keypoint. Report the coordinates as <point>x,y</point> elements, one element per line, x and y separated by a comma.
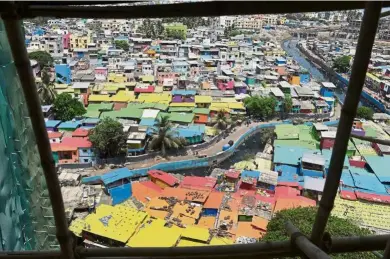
<point>91,180</point>
<point>120,193</point>
<point>366,181</point>
<point>147,122</point>
<point>380,166</point>
<point>122,173</point>
<point>347,179</point>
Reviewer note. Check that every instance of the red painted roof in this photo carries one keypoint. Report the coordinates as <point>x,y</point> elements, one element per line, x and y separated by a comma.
<point>348,195</point>
<point>152,186</point>
<point>291,184</point>
<point>54,134</point>
<point>61,147</point>
<point>373,197</point>
<point>285,191</point>
<point>80,132</point>
<point>164,177</point>
<point>77,142</point>
<point>233,174</point>
<point>149,89</point>
<point>196,181</point>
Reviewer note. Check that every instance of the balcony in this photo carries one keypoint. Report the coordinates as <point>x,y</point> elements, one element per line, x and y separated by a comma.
<point>318,245</point>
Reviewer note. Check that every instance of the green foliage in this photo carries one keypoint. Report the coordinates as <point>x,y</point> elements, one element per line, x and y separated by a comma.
<point>66,107</point>
<point>122,44</point>
<point>190,22</point>
<point>261,106</point>
<point>151,29</point>
<point>164,138</point>
<point>287,104</point>
<point>46,91</point>
<point>364,112</point>
<point>220,121</point>
<point>341,64</point>
<point>230,31</point>
<point>176,34</point>
<point>266,134</point>
<point>303,219</point>
<point>108,138</point>
<point>42,57</point>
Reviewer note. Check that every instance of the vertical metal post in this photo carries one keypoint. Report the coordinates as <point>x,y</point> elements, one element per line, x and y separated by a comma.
<point>386,254</point>
<point>23,67</point>
<point>348,112</point>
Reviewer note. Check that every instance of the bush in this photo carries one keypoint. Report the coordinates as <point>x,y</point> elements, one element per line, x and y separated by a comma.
<point>364,113</point>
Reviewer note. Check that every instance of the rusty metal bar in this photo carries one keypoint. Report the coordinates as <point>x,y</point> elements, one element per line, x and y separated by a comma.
<point>12,24</point>
<point>348,112</point>
<point>210,8</point>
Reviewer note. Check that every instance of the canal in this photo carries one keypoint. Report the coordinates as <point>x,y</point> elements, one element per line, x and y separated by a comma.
<point>290,46</point>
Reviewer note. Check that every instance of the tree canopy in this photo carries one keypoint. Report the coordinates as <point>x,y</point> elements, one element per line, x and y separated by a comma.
<point>341,64</point>
<point>122,44</point>
<point>303,219</point>
<point>66,107</point>
<point>43,58</point>
<point>46,88</point>
<point>287,105</point>
<point>176,34</point>
<point>266,134</point>
<point>261,106</point>
<point>364,112</point>
<point>220,121</point>
<point>108,138</point>
<point>164,138</point>
<point>151,29</point>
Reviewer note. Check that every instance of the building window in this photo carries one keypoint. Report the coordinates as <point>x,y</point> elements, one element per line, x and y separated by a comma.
<point>85,160</point>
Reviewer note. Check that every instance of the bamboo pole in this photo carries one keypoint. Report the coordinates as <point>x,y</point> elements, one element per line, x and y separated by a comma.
<point>373,140</point>
<point>348,112</point>
<point>386,254</point>
<point>304,244</point>
<point>23,67</point>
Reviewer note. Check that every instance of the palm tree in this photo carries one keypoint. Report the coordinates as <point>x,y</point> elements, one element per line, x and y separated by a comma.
<point>220,121</point>
<point>46,88</point>
<point>163,137</point>
<point>238,118</point>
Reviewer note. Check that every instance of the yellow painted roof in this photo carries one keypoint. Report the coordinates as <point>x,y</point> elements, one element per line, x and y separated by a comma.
<point>196,233</point>
<point>147,78</point>
<point>77,227</point>
<point>184,242</point>
<point>64,90</point>
<point>158,89</point>
<point>60,86</point>
<point>153,234</point>
<point>217,241</point>
<point>203,99</point>
<point>263,164</point>
<point>154,97</point>
<point>228,100</point>
<point>211,131</point>
<point>123,96</point>
<point>182,105</point>
<point>120,222</point>
<point>219,105</point>
<point>239,106</point>
<point>368,214</point>
<point>99,98</point>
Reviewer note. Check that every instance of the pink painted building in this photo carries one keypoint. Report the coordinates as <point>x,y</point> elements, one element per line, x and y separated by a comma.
<point>66,41</point>
<point>224,83</point>
<point>163,75</point>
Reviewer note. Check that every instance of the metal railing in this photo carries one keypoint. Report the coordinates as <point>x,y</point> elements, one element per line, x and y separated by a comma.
<point>299,245</point>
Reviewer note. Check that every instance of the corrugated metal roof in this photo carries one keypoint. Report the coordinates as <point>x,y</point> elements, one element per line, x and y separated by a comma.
<point>122,173</point>
<point>380,166</point>
<point>314,184</point>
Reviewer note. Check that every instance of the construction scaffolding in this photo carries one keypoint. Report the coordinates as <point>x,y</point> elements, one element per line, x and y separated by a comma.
<point>18,129</point>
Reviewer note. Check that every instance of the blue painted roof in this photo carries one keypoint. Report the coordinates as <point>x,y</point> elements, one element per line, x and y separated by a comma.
<point>289,155</point>
<point>120,193</point>
<point>122,173</point>
<point>69,125</point>
<point>52,123</point>
<point>183,92</point>
<point>280,59</point>
<point>91,121</point>
<point>380,166</point>
<point>91,179</point>
<point>288,173</point>
<point>190,131</point>
<point>347,179</point>
<point>327,153</point>
<point>366,180</point>
<point>147,122</point>
<point>253,174</point>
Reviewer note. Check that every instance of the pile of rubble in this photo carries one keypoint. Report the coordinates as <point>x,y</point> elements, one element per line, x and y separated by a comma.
<point>245,240</point>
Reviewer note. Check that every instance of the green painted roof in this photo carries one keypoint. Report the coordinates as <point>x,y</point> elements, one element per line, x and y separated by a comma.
<point>181,117</point>
<point>287,131</point>
<point>124,113</point>
<point>202,111</point>
<point>296,143</point>
<point>161,106</point>
<point>180,109</point>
